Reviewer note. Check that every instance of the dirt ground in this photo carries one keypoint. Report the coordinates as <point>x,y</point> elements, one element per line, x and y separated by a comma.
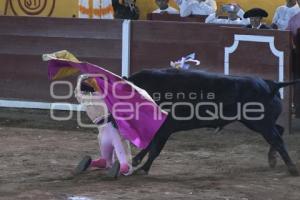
<point>37,158</point>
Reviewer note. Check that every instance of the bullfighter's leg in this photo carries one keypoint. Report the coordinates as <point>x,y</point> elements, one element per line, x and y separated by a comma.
<point>106,150</point>
<point>275,140</point>
<point>121,152</point>
<point>272,155</point>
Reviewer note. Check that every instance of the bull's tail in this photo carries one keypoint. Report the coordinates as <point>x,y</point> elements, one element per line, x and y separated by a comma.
<point>279,85</point>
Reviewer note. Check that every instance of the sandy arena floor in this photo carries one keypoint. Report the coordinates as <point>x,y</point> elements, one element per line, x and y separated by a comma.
<point>37,164</point>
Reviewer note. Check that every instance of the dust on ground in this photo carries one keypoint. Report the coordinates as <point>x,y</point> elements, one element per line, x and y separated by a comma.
<point>37,160</point>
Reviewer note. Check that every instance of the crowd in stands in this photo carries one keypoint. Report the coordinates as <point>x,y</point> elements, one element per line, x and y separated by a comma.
<point>286,17</point>
<point>108,9</point>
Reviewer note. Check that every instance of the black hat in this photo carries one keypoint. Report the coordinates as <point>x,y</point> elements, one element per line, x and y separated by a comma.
<point>86,87</point>
<point>256,12</point>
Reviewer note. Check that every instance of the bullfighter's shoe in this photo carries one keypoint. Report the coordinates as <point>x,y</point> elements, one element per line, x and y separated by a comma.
<point>83,165</point>
<point>113,172</point>
<point>126,170</point>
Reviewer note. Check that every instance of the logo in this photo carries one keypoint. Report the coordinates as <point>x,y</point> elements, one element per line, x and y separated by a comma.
<point>199,105</point>
<point>32,7</point>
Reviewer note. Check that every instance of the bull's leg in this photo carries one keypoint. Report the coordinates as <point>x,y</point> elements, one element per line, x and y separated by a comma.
<point>275,140</point>
<point>140,156</point>
<point>272,155</point>
<point>155,149</point>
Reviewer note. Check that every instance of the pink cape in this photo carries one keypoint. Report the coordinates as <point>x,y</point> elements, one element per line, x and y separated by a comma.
<point>141,123</point>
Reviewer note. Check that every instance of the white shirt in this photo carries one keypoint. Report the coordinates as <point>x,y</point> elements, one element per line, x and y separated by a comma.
<point>194,7</point>
<point>283,14</point>
<point>212,18</point>
<point>212,3</point>
<point>169,10</point>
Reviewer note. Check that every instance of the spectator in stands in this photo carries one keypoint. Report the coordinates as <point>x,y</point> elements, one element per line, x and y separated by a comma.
<point>99,9</point>
<point>194,7</point>
<point>164,7</point>
<point>256,15</point>
<point>284,13</point>
<point>125,9</point>
<point>211,3</point>
<point>294,23</point>
<point>235,16</point>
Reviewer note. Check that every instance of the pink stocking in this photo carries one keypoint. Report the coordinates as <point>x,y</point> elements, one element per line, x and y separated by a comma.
<point>120,151</point>
<point>106,149</point>
<point>109,141</point>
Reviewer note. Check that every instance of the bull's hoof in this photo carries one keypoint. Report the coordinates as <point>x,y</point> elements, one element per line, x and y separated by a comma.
<point>293,170</point>
<point>140,172</point>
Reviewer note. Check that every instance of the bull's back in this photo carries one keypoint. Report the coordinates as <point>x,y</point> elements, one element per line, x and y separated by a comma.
<point>195,81</point>
<point>173,86</point>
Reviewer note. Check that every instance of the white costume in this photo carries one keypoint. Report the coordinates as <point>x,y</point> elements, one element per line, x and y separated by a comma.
<point>96,9</point>
<point>212,18</point>
<point>283,14</point>
<point>194,7</point>
<point>169,10</point>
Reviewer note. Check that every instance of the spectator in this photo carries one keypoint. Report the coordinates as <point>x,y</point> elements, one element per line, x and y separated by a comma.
<point>100,9</point>
<point>284,13</point>
<point>235,16</point>
<point>294,23</point>
<point>125,9</point>
<point>194,7</point>
<point>164,7</point>
<point>212,3</point>
<point>256,15</point>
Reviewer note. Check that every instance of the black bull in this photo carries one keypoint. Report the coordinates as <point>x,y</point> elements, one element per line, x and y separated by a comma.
<point>195,98</point>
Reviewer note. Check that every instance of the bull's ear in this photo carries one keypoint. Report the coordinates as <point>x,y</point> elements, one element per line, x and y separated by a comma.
<point>125,78</point>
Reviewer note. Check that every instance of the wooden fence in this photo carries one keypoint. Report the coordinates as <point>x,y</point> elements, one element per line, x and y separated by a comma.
<point>153,44</point>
